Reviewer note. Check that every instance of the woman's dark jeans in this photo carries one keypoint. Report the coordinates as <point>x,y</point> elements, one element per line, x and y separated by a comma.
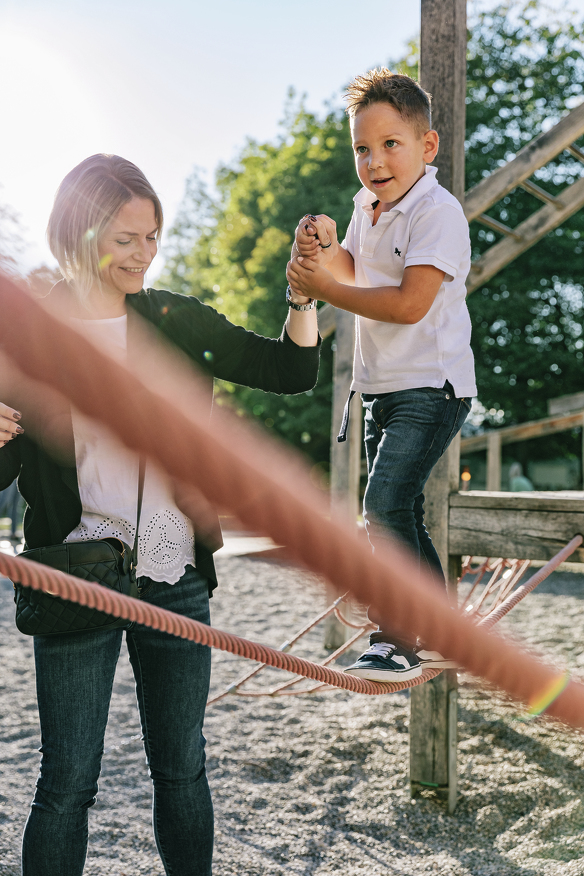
<point>406,433</point>
<point>75,675</point>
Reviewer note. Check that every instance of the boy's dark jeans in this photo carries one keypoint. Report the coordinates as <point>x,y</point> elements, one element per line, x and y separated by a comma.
<point>406,433</point>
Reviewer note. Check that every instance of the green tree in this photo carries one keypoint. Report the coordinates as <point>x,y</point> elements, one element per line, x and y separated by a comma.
<point>242,243</point>
<point>525,71</point>
<point>11,239</point>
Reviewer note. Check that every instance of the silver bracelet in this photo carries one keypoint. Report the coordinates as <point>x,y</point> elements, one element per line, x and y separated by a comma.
<point>309,306</point>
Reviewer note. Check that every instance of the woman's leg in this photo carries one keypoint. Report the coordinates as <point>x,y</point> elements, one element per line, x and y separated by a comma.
<point>74,677</point>
<point>172,684</point>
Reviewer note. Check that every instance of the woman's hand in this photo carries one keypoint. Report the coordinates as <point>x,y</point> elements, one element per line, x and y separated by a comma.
<point>316,238</point>
<point>306,277</point>
<point>9,427</point>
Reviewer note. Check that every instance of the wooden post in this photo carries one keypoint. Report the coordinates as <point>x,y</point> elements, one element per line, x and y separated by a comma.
<point>494,462</point>
<point>433,705</point>
<point>346,456</point>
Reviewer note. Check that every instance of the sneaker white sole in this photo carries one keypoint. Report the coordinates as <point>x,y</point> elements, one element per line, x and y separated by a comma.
<point>385,674</point>
<point>435,660</point>
<point>439,664</point>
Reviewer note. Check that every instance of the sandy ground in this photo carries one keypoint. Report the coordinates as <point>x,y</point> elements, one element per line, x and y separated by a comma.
<point>318,785</point>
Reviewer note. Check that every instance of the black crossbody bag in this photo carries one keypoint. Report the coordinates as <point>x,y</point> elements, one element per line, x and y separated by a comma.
<point>106,561</point>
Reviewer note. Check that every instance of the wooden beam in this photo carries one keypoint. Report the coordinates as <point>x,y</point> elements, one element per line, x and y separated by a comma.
<point>495,225</point>
<point>566,404</point>
<point>540,193</point>
<point>522,525</point>
<point>442,46</point>
<point>443,73</point>
<point>345,457</point>
<point>576,152</point>
<point>494,461</point>
<point>536,154</point>
<point>533,229</point>
<point>523,432</point>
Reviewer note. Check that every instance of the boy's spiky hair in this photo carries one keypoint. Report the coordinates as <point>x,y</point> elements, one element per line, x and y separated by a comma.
<point>400,91</point>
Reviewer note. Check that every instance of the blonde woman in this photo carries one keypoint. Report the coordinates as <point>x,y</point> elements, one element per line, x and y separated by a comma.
<point>104,231</point>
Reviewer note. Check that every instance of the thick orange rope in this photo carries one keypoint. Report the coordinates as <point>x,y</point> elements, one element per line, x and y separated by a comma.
<point>241,471</point>
<point>521,592</point>
<point>41,577</point>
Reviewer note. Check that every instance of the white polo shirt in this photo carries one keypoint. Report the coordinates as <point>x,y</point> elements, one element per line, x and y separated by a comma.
<point>427,227</point>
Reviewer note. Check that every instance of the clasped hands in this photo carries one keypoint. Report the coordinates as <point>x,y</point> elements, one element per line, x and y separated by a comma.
<point>315,246</point>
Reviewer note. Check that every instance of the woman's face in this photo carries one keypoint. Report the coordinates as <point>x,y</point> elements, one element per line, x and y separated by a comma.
<point>127,247</point>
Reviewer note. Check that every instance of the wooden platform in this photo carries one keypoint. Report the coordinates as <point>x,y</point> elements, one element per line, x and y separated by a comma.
<point>523,525</point>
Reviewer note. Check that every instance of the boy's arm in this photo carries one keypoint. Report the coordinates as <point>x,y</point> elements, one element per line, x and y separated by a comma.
<point>405,304</point>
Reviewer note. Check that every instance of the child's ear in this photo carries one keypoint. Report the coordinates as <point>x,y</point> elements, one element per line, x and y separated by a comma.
<point>431,144</point>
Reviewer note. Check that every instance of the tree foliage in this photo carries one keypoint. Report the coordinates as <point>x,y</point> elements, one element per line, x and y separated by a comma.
<point>524,73</point>
<point>242,244</point>
<point>11,239</point>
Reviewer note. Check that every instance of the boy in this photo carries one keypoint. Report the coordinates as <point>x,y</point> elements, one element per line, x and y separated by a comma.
<point>401,269</point>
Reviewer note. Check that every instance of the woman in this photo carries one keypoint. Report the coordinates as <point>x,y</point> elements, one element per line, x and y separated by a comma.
<point>104,231</point>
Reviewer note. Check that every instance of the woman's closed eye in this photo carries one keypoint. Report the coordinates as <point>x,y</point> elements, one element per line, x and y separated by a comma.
<point>126,242</point>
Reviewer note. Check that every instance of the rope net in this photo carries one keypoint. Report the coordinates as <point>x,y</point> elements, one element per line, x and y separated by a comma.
<point>159,408</point>
<point>505,574</point>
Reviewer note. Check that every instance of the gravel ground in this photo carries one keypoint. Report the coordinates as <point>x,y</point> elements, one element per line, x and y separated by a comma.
<point>318,785</point>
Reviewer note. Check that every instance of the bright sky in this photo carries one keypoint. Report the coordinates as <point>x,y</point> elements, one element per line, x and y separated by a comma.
<point>168,85</point>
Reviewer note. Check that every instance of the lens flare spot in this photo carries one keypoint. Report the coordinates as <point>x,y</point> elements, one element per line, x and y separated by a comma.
<point>89,234</point>
<point>208,355</point>
<point>105,261</point>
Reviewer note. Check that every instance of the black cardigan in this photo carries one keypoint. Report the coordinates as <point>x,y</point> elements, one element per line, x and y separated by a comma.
<point>49,486</point>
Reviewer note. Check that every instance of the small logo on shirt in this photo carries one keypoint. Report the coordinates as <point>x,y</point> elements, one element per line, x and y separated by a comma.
<point>397,251</point>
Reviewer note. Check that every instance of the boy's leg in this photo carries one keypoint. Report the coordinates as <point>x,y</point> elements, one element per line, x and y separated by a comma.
<point>406,433</point>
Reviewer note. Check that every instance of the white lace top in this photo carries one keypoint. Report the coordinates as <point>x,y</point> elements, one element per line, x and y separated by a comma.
<point>108,484</point>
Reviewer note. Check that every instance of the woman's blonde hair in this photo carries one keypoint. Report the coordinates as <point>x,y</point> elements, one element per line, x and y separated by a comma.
<point>87,200</point>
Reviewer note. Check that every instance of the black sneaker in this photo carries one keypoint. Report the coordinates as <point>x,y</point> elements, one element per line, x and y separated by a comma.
<point>386,662</point>
<point>434,659</point>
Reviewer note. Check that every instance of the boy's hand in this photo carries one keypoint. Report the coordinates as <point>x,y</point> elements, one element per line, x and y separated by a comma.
<point>316,238</point>
<point>306,277</point>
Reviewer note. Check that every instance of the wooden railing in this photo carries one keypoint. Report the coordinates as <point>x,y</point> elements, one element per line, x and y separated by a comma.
<point>493,440</point>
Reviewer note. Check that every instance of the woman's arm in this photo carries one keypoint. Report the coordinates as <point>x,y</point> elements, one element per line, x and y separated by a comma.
<point>302,325</point>
<point>279,365</point>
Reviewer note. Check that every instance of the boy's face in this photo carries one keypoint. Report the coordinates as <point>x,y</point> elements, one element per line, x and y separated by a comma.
<point>390,154</point>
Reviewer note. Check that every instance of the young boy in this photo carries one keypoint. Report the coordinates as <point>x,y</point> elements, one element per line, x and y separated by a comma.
<point>401,269</point>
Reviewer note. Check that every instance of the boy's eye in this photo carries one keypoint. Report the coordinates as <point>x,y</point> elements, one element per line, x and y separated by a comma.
<point>390,143</point>
<point>361,150</point>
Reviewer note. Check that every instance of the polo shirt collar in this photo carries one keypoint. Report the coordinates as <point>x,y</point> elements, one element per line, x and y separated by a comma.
<point>364,198</point>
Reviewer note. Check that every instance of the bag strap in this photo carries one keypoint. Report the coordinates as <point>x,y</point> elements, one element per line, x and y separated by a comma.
<point>141,476</point>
